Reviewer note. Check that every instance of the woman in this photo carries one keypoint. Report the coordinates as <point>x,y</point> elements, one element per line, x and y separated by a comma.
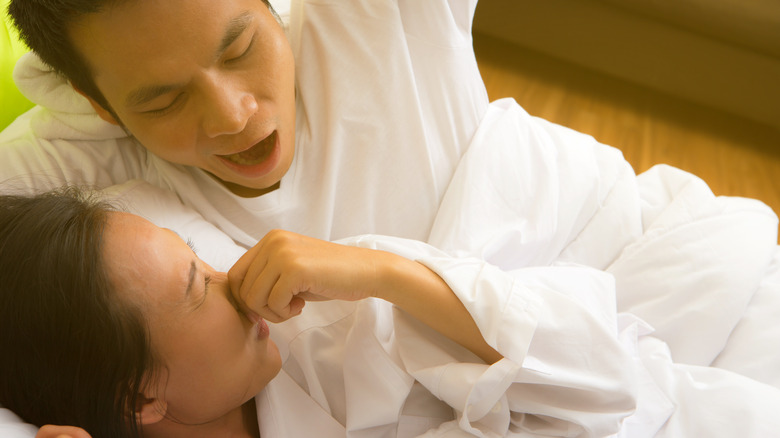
<point>128,332</point>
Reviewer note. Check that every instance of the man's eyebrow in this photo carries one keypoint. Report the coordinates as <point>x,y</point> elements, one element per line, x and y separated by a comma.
<point>235,28</point>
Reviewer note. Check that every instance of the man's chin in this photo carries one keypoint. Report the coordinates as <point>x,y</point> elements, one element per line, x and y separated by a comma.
<point>245,191</point>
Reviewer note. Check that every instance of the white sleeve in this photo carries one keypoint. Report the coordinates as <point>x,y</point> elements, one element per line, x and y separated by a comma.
<point>31,164</point>
<point>564,372</point>
<point>400,71</point>
<point>62,140</point>
<point>32,159</point>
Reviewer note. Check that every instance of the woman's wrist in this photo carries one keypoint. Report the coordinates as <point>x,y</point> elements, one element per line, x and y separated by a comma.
<point>403,282</point>
<point>423,294</point>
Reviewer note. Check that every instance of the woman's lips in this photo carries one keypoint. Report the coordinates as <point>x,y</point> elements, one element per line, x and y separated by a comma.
<point>262,330</point>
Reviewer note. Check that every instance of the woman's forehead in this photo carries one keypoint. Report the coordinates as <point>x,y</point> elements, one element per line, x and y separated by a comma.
<point>145,261</point>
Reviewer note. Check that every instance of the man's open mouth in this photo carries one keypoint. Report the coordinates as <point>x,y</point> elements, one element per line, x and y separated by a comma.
<point>256,154</point>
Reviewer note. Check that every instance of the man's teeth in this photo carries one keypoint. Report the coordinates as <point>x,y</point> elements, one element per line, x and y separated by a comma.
<point>255,155</point>
<point>238,159</point>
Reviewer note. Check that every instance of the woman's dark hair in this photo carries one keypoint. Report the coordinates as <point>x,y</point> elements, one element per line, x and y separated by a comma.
<point>43,25</point>
<point>71,352</point>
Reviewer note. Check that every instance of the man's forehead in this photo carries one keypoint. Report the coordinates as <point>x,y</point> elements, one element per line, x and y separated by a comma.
<point>155,30</point>
<point>234,28</point>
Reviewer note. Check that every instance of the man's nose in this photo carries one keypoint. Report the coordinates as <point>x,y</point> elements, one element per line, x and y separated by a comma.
<point>229,108</point>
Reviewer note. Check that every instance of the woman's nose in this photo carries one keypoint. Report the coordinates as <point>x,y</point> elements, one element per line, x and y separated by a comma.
<point>229,109</point>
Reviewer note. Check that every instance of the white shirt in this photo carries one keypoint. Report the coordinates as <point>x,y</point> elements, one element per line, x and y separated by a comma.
<point>367,369</point>
<point>389,96</point>
<point>390,179</point>
<point>373,371</point>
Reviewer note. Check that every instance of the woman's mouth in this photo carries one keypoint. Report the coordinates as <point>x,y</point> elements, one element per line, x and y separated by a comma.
<point>256,154</point>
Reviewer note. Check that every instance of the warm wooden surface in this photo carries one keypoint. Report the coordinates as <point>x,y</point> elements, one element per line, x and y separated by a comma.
<point>735,157</point>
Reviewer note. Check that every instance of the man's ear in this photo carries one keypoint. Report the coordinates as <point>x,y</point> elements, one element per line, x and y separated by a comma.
<point>101,112</point>
<point>150,410</point>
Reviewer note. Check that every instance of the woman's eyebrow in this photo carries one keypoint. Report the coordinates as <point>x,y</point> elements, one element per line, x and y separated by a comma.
<point>191,280</point>
<point>235,28</point>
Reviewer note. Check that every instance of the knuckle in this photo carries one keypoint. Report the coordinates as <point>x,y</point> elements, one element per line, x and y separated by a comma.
<point>276,236</point>
<point>271,316</point>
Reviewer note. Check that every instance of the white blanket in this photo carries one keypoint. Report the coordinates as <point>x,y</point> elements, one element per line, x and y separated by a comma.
<point>702,271</point>
<point>530,193</point>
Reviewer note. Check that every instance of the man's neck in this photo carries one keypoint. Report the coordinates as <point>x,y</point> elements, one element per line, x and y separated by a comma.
<point>245,192</point>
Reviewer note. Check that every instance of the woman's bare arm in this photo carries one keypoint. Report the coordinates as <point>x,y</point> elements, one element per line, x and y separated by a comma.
<point>275,278</point>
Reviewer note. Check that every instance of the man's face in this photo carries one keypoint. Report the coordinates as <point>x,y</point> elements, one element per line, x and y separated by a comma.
<point>198,82</point>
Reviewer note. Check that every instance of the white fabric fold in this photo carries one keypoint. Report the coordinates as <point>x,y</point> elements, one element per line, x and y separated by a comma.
<point>62,113</point>
<point>528,193</point>
<point>553,234</point>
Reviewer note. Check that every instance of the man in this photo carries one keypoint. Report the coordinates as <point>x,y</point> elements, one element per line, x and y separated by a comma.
<point>200,98</point>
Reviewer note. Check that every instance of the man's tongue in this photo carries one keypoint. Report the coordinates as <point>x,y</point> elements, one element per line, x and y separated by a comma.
<point>256,154</point>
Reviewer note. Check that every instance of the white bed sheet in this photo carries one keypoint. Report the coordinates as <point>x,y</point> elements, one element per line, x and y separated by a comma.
<point>702,271</point>
<point>694,266</point>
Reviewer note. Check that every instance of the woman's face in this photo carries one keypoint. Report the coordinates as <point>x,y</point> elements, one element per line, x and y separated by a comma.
<point>198,82</point>
<point>213,358</point>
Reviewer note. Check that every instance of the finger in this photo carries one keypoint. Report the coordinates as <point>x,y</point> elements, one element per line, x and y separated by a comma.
<point>293,309</point>
<point>242,279</point>
<point>281,297</point>
<point>296,305</point>
<point>257,290</point>
<point>250,314</point>
<point>270,316</point>
<point>238,271</point>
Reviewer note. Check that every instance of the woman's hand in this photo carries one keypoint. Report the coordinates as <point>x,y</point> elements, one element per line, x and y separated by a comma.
<point>275,278</point>
<point>52,431</point>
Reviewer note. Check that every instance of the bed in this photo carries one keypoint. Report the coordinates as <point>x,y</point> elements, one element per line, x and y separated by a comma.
<point>702,272</point>
<point>697,276</point>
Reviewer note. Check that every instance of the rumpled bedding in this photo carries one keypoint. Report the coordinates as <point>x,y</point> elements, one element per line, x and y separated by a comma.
<point>697,276</point>
<point>699,271</point>
<point>685,261</point>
